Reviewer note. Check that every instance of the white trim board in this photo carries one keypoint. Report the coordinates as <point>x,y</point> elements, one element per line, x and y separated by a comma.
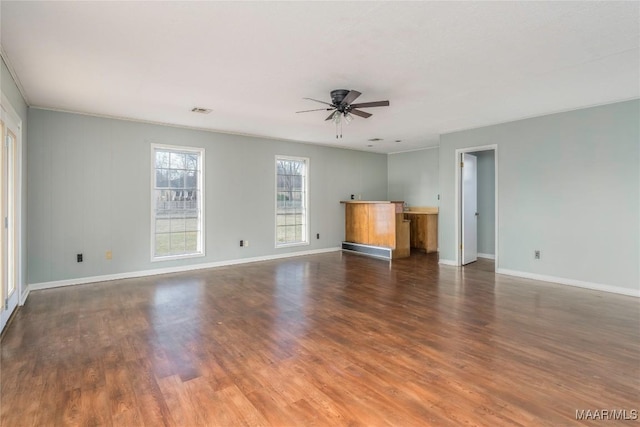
<point>24,296</point>
<point>488,256</point>
<point>571,282</point>
<point>178,269</point>
<point>448,262</point>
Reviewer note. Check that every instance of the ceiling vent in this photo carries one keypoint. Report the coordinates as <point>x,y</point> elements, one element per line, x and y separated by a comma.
<point>200,110</point>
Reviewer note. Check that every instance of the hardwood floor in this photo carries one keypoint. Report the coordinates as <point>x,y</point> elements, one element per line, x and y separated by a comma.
<point>332,339</point>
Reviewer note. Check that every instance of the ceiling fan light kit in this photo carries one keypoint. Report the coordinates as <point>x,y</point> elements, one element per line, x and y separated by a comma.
<point>342,106</point>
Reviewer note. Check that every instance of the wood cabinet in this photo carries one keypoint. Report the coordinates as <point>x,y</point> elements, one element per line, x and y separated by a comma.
<point>424,228</point>
<point>378,224</point>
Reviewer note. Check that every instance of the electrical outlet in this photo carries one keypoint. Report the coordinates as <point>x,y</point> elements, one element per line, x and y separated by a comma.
<point>246,243</point>
<point>79,257</point>
<point>317,235</point>
<point>241,243</point>
<point>536,254</point>
<point>108,255</point>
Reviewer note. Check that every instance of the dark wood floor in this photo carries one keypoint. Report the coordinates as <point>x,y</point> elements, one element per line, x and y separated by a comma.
<point>332,339</point>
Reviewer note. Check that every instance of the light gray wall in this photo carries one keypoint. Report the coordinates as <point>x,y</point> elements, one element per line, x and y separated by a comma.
<point>568,186</point>
<point>89,192</point>
<point>413,177</point>
<point>11,91</point>
<point>486,202</point>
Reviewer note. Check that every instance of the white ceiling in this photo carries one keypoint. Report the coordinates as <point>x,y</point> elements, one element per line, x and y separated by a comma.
<point>444,66</point>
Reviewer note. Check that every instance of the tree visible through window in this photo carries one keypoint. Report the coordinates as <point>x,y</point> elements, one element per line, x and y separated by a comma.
<point>177,202</point>
<point>291,200</point>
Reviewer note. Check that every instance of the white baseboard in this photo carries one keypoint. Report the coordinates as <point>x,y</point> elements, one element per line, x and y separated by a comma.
<point>447,262</point>
<point>24,296</point>
<point>571,282</point>
<point>488,256</point>
<point>178,269</point>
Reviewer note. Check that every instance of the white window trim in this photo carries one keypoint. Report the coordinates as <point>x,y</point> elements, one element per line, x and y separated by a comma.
<point>201,181</point>
<point>307,203</point>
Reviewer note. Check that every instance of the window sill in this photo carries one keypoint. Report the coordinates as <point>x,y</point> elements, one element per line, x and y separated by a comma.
<point>176,257</point>
<point>291,245</point>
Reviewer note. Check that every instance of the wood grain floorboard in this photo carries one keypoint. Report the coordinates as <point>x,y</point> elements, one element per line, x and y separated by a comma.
<point>325,340</point>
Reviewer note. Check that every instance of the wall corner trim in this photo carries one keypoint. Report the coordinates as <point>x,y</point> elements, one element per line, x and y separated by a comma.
<point>177,269</point>
<point>571,282</point>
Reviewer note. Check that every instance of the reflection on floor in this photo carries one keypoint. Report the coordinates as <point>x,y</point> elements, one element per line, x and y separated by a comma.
<point>482,264</point>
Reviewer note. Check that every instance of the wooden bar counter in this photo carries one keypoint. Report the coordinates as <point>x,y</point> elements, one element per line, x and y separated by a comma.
<point>424,228</point>
<point>376,228</point>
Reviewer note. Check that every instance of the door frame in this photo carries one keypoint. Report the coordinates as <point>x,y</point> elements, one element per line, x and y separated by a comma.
<point>6,109</point>
<point>458,198</point>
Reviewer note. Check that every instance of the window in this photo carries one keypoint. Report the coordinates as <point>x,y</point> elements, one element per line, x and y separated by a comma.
<point>292,215</point>
<point>177,202</point>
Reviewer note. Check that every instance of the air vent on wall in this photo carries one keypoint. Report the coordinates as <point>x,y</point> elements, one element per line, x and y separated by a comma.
<point>200,110</point>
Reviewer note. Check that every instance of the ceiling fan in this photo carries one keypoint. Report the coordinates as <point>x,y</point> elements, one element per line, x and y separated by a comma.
<point>341,106</point>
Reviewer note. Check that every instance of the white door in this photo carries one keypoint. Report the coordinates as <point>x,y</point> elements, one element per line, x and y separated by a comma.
<point>8,225</point>
<point>469,208</point>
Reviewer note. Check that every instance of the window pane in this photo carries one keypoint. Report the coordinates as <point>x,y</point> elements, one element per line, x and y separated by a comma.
<point>191,180</point>
<point>162,178</point>
<point>177,243</point>
<point>177,161</point>
<point>162,159</point>
<point>163,225</point>
<point>177,202</point>
<point>176,178</point>
<point>162,200</point>
<point>192,161</point>
<point>191,242</point>
<point>162,245</point>
<point>191,224</point>
<point>177,224</point>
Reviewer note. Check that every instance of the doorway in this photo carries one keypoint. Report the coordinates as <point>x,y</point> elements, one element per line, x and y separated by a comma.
<point>10,157</point>
<point>477,206</point>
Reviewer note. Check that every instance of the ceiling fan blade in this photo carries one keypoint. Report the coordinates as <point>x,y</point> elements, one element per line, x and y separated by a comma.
<point>371,104</point>
<point>351,96</point>
<point>317,109</point>
<point>330,116</point>
<point>361,113</point>
<point>322,102</point>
